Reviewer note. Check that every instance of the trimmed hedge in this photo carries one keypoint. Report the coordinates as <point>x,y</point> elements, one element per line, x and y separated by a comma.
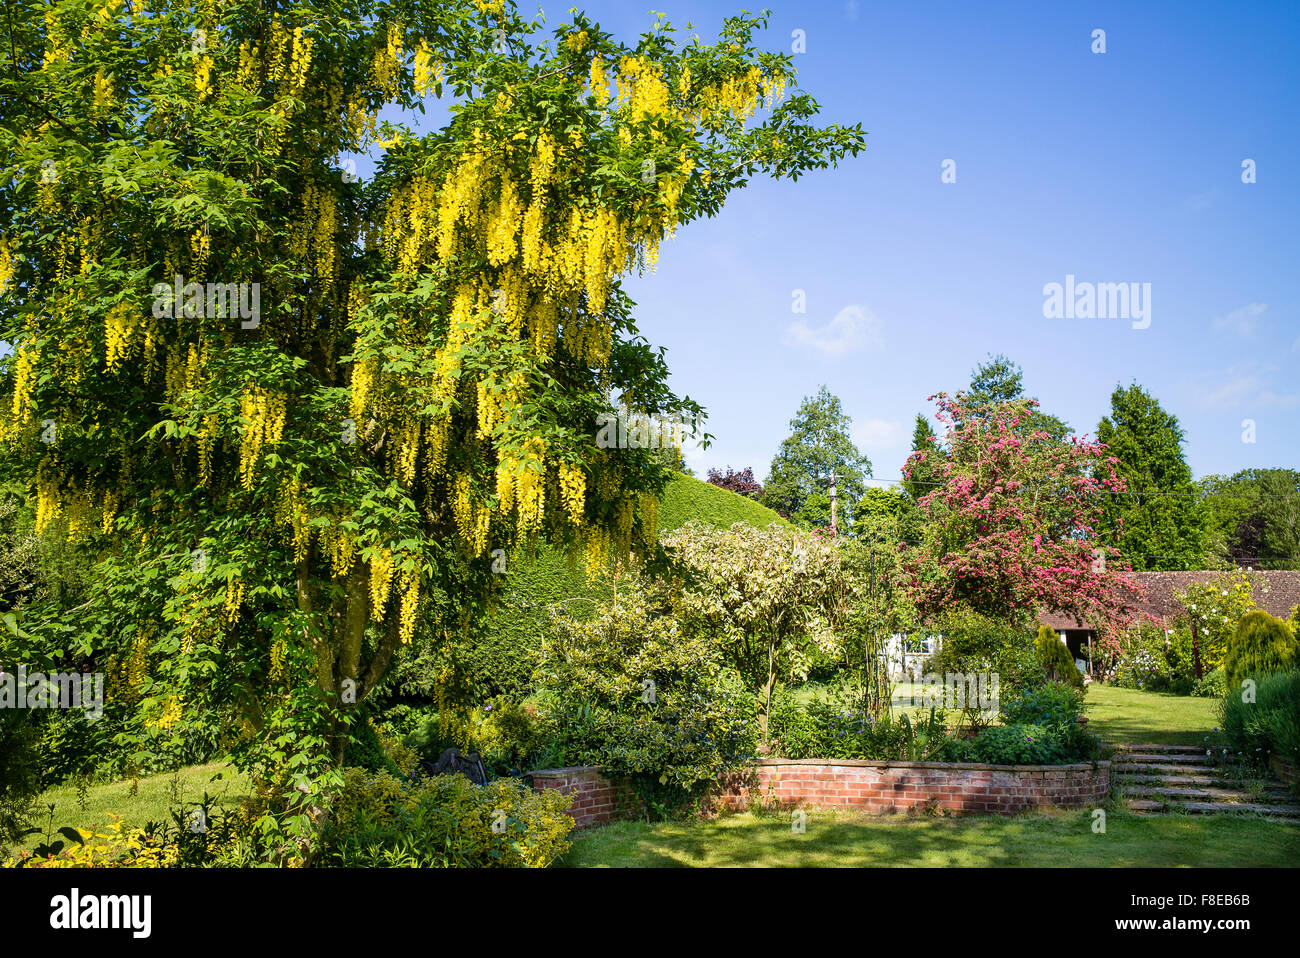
<point>505,652</point>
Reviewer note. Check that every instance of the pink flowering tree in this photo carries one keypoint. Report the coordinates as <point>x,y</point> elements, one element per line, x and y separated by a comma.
<point>1011,530</point>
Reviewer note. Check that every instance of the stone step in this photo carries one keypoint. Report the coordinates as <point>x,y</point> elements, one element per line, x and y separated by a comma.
<point>1158,768</point>
<point>1147,807</point>
<point>1173,758</point>
<point>1160,749</point>
<point>1218,808</point>
<point>1156,778</point>
<point>1273,796</point>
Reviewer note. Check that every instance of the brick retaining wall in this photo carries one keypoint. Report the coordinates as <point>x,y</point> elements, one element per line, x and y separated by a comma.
<point>876,787</point>
<point>883,787</point>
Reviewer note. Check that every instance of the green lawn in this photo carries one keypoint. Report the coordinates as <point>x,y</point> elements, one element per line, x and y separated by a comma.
<point>845,840</point>
<point>152,801</point>
<point>1150,718</point>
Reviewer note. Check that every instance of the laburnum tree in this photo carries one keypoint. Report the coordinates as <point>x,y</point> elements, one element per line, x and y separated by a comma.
<point>302,415</point>
<point>1011,532</point>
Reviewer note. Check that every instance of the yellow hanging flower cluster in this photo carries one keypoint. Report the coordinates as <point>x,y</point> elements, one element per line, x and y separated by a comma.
<point>264,413</point>
<point>597,82</point>
<point>102,98</point>
<point>381,582</point>
<point>234,598</point>
<point>202,76</point>
<point>386,65</point>
<point>410,604</point>
<point>573,487</point>
<point>641,89</point>
<point>301,60</point>
<point>473,518</point>
<point>6,264</point>
<point>118,327</point>
<point>278,650</point>
<point>427,71</point>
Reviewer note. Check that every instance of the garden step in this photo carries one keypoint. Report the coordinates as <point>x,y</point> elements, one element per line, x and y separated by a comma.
<point>1227,795</point>
<point>1141,805</point>
<point>1159,749</point>
<point>1172,758</point>
<point>1213,808</point>
<point>1148,807</point>
<point>1124,768</point>
<point>1159,779</point>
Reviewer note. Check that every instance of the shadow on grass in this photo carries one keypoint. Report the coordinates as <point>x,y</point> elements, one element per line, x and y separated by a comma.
<point>1037,840</point>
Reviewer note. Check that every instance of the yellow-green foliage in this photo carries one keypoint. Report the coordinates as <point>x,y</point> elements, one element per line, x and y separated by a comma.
<point>122,846</point>
<point>444,821</point>
<point>1055,658</point>
<point>1262,645</point>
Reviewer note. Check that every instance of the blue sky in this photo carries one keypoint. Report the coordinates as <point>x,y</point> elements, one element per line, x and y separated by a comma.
<point>1115,167</point>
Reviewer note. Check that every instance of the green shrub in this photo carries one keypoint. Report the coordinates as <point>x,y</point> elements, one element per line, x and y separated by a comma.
<point>1053,706</point>
<point>446,821</point>
<point>629,690</point>
<point>1262,645</point>
<point>1214,685</point>
<point>1024,744</point>
<point>1270,724</point>
<point>977,643</point>
<point>19,774</point>
<point>1055,658</point>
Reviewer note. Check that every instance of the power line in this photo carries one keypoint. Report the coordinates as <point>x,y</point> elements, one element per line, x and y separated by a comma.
<point>1127,492</point>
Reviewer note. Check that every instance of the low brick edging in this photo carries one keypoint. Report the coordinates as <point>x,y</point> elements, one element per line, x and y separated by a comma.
<point>875,787</point>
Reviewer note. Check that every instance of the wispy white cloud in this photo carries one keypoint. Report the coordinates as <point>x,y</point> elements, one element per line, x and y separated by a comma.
<point>852,328</point>
<point>1201,201</point>
<point>1243,320</point>
<point>1248,384</point>
<point>874,436</point>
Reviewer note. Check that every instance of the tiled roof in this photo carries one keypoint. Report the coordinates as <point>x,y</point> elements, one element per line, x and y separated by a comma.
<point>1275,591</point>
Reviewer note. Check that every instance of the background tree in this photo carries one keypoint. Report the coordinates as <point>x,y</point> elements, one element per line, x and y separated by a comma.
<point>998,380</point>
<point>1253,518</point>
<point>1158,524</point>
<point>739,481</point>
<point>818,444</point>
<point>919,475</point>
<point>289,490</point>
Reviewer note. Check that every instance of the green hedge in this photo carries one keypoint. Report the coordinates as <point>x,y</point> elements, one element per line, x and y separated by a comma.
<point>505,653</point>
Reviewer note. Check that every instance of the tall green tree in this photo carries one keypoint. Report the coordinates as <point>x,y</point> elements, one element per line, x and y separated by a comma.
<point>1158,523</point>
<point>999,380</point>
<point>818,445</point>
<point>922,472</point>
